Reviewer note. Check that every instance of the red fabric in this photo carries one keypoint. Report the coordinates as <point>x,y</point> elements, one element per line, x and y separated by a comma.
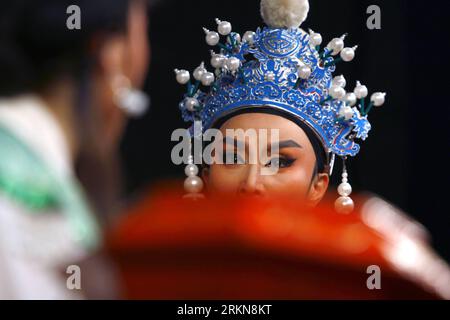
<point>171,248</point>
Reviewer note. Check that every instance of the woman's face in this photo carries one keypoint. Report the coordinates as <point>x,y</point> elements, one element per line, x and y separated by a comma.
<point>295,159</point>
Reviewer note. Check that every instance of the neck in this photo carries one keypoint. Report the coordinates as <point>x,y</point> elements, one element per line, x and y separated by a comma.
<point>59,101</point>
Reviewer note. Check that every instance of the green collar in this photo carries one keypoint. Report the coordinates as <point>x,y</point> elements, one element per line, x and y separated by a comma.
<point>26,179</point>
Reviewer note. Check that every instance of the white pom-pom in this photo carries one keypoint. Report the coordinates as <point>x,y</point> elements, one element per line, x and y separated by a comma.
<point>284,13</point>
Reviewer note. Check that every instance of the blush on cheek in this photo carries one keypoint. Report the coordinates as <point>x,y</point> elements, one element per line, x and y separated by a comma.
<point>294,182</point>
<point>223,180</point>
<point>297,178</point>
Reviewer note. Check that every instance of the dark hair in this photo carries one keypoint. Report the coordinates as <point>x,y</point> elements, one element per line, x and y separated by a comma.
<point>319,151</point>
<point>36,46</point>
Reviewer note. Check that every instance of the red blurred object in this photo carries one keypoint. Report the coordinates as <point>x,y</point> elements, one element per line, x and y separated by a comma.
<point>170,248</point>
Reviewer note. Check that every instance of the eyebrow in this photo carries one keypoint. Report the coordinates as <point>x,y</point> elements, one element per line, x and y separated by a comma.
<point>281,144</point>
<point>288,144</point>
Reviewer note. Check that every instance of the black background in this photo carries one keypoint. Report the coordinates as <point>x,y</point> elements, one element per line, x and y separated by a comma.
<point>406,157</point>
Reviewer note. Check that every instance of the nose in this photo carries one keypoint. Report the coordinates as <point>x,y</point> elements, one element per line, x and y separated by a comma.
<point>252,183</point>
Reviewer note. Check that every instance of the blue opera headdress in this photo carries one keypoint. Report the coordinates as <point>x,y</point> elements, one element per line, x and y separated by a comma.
<point>285,68</point>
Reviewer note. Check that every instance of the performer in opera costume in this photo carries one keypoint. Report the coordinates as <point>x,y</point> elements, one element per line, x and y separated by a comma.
<point>279,77</point>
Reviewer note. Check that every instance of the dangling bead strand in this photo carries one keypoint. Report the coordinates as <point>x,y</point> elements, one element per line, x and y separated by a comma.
<point>193,185</point>
<point>344,204</point>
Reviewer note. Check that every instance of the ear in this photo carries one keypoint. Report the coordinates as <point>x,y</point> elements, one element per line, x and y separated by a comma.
<point>318,188</point>
<point>112,56</point>
<point>109,69</point>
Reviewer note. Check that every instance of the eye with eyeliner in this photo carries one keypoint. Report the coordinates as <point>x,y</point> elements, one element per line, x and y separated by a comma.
<point>281,162</point>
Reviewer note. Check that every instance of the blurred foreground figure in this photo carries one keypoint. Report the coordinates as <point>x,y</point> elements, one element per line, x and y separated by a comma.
<point>65,94</point>
<point>249,248</point>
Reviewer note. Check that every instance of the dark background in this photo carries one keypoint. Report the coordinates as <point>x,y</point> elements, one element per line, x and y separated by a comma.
<point>406,157</point>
